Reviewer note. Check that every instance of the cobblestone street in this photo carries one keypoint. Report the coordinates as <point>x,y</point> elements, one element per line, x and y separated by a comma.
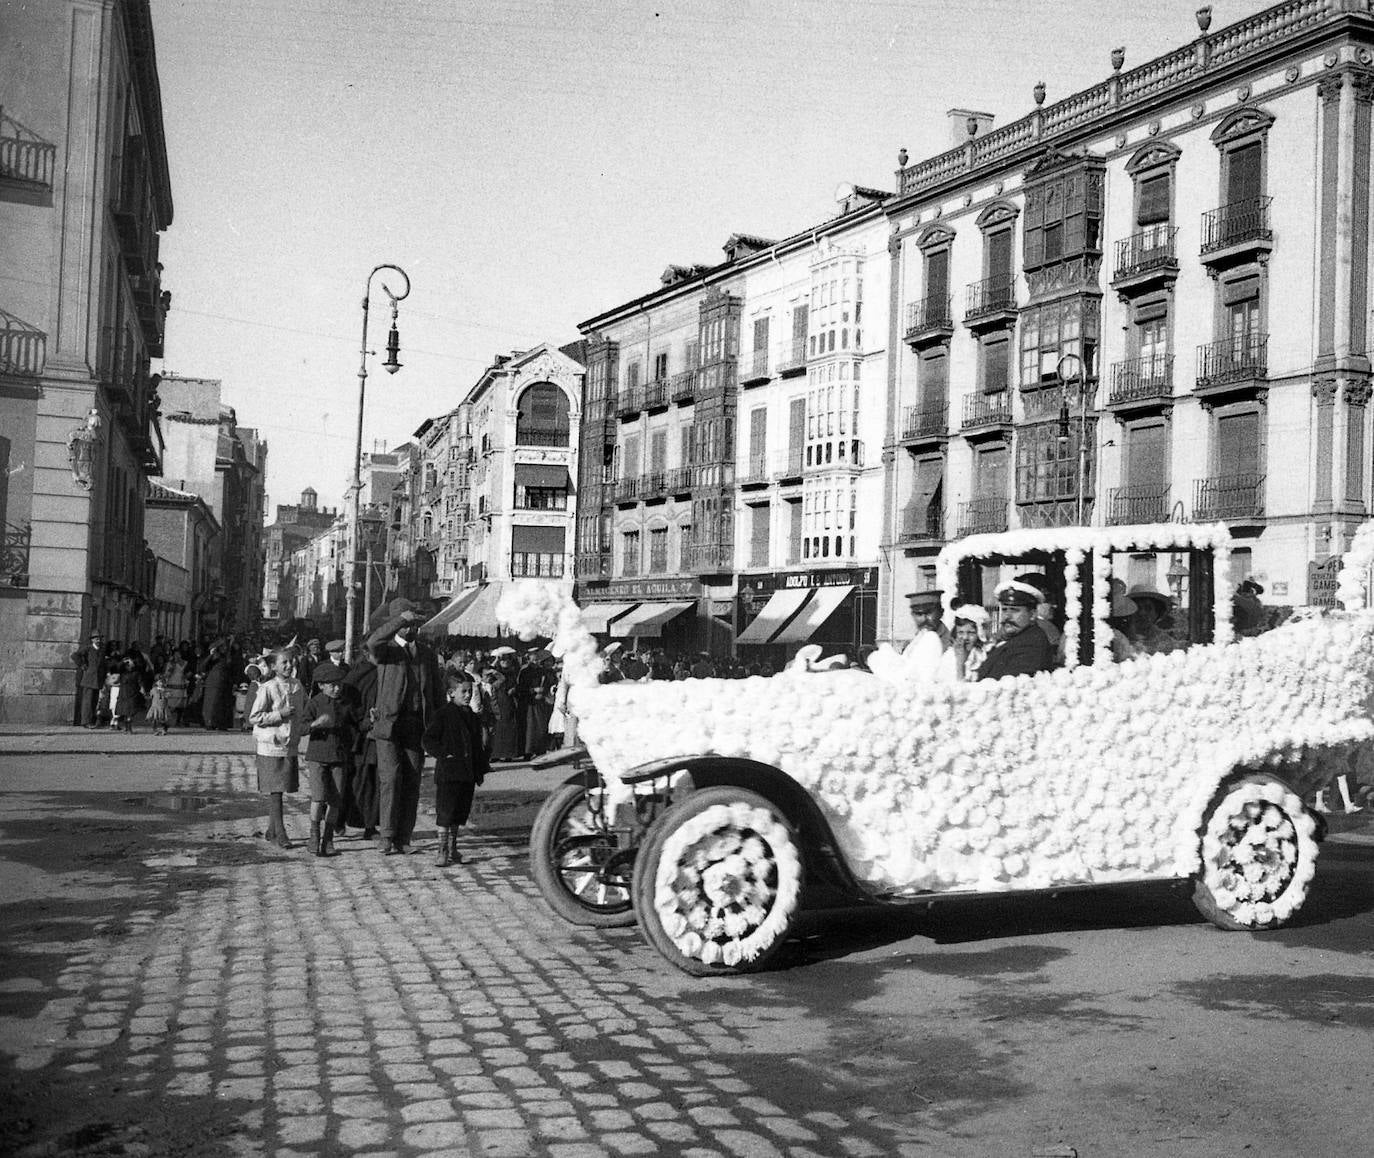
<point>174,985</point>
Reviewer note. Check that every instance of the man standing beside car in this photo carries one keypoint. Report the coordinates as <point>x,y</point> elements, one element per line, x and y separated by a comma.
<point>410,690</point>
<point>1022,646</point>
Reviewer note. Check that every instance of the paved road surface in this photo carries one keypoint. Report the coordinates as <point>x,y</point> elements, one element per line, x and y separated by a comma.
<point>169,984</point>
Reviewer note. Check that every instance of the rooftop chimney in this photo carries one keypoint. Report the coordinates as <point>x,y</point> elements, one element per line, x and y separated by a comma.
<point>961,119</point>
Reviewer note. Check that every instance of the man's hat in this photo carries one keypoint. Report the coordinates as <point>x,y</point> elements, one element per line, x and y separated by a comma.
<point>1140,593</point>
<point>921,599</point>
<point>399,606</point>
<point>1252,587</point>
<point>334,645</point>
<point>611,649</point>
<point>328,673</point>
<point>1015,593</point>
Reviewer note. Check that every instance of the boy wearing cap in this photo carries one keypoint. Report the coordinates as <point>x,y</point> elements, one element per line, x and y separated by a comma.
<point>1022,647</point>
<point>329,720</point>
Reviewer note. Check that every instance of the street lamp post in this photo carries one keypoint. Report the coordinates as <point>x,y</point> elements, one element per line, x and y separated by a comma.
<point>391,365</point>
<point>1070,369</point>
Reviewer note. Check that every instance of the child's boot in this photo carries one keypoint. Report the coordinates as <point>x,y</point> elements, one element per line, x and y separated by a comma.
<point>316,845</point>
<point>454,856</point>
<point>445,848</point>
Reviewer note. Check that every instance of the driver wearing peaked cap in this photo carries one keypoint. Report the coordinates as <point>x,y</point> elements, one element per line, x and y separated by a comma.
<point>921,657</point>
<point>1022,647</point>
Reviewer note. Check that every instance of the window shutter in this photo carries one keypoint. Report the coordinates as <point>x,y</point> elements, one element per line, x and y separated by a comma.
<point>1146,452</point>
<point>937,274</point>
<point>999,257</point>
<point>758,434</point>
<point>934,377</point>
<point>996,366</point>
<point>658,451</point>
<point>758,535</point>
<point>796,427</point>
<point>1243,173</point>
<point>799,321</point>
<point>1151,311</point>
<point>991,482</point>
<point>1242,289</point>
<point>761,333</point>
<point>1153,198</point>
<point>1238,444</point>
<point>630,462</point>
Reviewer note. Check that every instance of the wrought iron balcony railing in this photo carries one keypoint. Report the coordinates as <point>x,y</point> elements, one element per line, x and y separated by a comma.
<point>530,436</point>
<point>1150,249</point>
<point>1141,379</point>
<point>792,357</point>
<point>629,401</point>
<point>929,421</point>
<point>679,479</point>
<point>1138,504</point>
<point>653,484</point>
<point>924,525</point>
<point>987,410</point>
<point>756,471</point>
<point>1233,360</point>
<point>1228,496</point>
<point>1236,223</point>
<point>655,393</point>
<point>990,296</point>
<point>626,489</point>
<point>929,314</point>
<point>753,367</point>
<point>982,516</point>
<point>682,386</point>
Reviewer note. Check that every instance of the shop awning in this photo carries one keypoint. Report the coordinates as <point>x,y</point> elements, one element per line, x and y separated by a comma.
<point>824,601</point>
<point>596,617</point>
<point>647,619</point>
<point>781,606</point>
<point>478,619</point>
<point>540,474</point>
<point>462,599</point>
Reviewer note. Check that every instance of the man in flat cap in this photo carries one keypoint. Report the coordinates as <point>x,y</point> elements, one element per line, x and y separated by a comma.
<point>921,657</point>
<point>1022,646</point>
<point>410,690</point>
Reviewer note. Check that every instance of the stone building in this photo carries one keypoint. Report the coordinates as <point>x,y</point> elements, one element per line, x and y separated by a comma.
<point>1146,301</point>
<point>209,454</point>
<point>516,518</point>
<point>84,194</point>
<point>732,467</point>
<point>185,537</point>
<point>295,524</point>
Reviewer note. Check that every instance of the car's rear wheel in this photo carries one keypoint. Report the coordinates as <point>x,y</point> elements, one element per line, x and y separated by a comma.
<point>576,863</point>
<point>718,882</point>
<point>1259,852</point>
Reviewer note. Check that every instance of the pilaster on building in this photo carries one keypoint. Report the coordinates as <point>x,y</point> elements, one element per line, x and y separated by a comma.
<point>84,195</point>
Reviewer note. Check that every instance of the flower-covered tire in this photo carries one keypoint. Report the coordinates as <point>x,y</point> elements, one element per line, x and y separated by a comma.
<point>570,860</point>
<point>1259,852</point>
<point>718,882</point>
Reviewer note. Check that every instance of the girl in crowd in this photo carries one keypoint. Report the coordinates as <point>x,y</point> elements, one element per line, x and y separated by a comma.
<point>277,727</point>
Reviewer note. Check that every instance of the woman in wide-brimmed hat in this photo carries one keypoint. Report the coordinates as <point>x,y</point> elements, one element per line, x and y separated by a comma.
<point>1153,614</point>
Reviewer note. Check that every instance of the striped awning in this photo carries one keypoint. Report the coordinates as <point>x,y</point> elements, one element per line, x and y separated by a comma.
<point>647,619</point>
<point>823,603</point>
<point>438,625</point>
<point>781,606</point>
<point>478,618</point>
<point>596,617</point>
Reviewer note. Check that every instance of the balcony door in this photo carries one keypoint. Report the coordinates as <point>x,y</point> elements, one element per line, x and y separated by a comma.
<point>990,477</point>
<point>1147,458</point>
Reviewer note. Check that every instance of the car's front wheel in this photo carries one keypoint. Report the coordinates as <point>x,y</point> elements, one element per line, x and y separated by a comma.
<point>718,882</point>
<point>576,863</point>
<point>1259,852</point>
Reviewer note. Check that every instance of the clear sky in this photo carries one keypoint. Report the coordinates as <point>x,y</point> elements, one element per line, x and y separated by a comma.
<point>531,163</point>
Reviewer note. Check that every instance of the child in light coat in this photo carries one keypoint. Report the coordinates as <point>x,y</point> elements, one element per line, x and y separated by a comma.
<point>277,728</point>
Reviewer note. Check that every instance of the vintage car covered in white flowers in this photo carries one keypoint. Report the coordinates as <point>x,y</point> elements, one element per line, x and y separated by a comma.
<point>714,804</point>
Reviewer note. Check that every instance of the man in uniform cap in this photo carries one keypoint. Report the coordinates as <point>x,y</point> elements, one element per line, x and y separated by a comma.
<point>921,657</point>
<point>1022,647</point>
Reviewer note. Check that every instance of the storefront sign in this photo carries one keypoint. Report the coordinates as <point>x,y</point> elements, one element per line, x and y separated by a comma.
<point>1321,582</point>
<point>864,578</point>
<point>633,589</point>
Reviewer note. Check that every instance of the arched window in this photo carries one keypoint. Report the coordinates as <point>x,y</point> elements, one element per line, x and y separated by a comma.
<point>542,416</point>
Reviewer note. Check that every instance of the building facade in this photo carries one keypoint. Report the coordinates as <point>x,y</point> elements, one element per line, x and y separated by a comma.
<point>84,194</point>
<point>1148,301</point>
<point>514,515</point>
<point>209,454</point>
<point>185,537</point>
<point>295,524</point>
<point>732,477</point>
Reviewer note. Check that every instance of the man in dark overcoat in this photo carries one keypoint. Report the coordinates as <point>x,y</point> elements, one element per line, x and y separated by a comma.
<point>90,674</point>
<point>410,690</point>
<point>1022,648</point>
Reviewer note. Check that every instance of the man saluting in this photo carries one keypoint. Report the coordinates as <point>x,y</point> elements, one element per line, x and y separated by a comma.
<point>921,657</point>
<point>1022,648</point>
